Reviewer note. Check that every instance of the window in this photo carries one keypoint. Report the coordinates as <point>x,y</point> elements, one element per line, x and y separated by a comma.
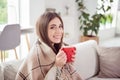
<point>3,11</point>
<point>13,11</point>
<point>9,12</point>
<point>109,15</point>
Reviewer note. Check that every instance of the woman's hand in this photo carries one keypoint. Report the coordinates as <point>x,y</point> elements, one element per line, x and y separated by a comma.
<point>73,58</point>
<point>61,59</point>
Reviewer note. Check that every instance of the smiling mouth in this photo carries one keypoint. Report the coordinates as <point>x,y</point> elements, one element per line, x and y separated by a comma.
<point>57,37</point>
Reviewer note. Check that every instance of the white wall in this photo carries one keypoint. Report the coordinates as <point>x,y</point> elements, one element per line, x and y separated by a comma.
<point>106,34</point>
<point>30,10</point>
<point>71,20</point>
<point>24,13</point>
<point>37,7</point>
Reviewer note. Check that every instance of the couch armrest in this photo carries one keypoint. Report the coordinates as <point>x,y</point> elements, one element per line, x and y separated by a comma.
<point>86,59</point>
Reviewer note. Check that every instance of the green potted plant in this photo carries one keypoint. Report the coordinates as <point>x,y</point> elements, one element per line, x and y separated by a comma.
<point>89,24</point>
<point>108,19</point>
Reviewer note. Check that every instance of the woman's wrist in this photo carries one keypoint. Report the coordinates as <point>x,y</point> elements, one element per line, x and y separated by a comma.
<point>58,66</point>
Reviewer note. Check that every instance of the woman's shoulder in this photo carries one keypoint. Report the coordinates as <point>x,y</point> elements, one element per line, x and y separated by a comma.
<point>34,48</point>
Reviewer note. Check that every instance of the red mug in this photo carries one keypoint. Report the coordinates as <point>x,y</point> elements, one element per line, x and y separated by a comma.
<point>69,52</point>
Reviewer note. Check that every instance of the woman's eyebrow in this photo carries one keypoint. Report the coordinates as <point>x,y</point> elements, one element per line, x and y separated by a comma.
<point>53,25</point>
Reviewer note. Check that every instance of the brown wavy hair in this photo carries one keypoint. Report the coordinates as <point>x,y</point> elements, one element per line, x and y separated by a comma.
<point>42,27</point>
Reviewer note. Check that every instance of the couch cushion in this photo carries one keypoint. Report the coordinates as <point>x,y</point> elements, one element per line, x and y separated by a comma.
<point>1,73</point>
<point>86,59</point>
<point>10,69</point>
<point>109,62</point>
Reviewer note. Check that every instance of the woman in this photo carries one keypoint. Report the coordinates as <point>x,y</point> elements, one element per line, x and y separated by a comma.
<point>46,60</point>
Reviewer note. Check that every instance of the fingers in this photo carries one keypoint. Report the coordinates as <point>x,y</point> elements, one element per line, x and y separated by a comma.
<point>73,56</point>
<point>61,59</point>
<point>61,55</point>
<point>74,51</point>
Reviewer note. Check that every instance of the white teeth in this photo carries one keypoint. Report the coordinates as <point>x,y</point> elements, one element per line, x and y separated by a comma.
<point>57,37</point>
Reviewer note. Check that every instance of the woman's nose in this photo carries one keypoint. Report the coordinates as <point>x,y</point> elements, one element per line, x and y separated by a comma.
<point>59,30</point>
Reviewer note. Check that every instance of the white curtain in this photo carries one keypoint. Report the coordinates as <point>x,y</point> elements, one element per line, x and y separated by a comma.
<point>118,23</point>
<point>118,19</point>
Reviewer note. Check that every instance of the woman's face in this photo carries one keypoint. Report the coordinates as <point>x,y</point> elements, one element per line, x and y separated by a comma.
<point>55,30</point>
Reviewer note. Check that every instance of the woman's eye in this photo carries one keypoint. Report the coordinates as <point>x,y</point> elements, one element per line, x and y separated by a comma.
<point>55,27</point>
<point>51,27</point>
<point>60,26</point>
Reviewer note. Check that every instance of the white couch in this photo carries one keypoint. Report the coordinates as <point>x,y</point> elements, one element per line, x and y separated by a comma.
<point>9,69</point>
<point>86,63</point>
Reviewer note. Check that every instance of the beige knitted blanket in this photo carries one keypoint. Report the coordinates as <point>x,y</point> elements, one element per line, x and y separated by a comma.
<point>39,65</point>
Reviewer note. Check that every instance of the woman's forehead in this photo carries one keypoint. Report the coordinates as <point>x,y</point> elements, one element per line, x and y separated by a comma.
<point>56,20</point>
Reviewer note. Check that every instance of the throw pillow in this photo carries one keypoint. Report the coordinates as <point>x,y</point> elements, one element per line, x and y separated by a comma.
<point>9,73</point>
<point>109,58</point>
